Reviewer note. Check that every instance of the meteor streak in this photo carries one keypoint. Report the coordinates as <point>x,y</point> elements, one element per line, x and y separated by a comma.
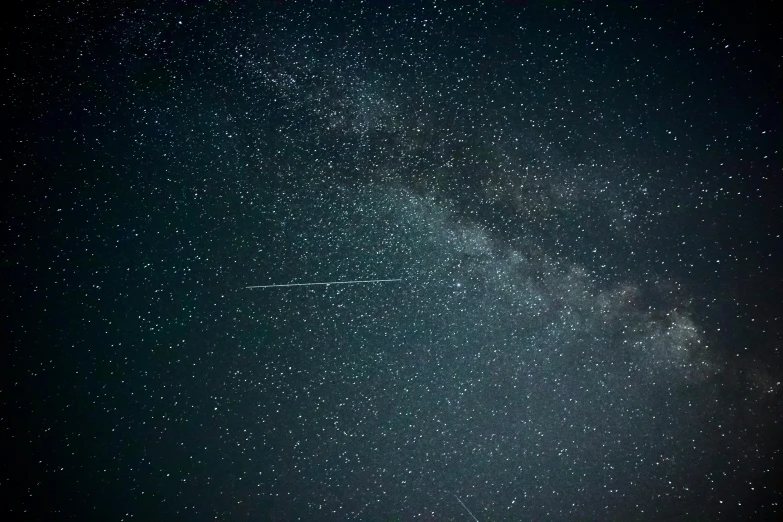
<point>466,507</point>
<point>358,281</point>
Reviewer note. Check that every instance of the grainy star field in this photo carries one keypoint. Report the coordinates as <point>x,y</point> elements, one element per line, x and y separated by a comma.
<point>558,225</point>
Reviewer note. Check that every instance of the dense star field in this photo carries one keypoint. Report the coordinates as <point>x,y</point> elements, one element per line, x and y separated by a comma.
<point>574,207</point>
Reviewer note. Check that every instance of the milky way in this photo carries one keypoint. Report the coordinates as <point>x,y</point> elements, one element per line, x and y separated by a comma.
<point>559,221</point>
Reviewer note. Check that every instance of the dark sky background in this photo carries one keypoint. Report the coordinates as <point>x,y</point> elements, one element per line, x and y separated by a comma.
<point>581,201</point>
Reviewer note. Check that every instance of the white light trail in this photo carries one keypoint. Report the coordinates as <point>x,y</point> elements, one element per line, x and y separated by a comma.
<point>466,507</point>
<point>356,282</point>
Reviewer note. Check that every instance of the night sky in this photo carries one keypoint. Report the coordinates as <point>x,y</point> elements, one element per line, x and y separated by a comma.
<point>582,204</point>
